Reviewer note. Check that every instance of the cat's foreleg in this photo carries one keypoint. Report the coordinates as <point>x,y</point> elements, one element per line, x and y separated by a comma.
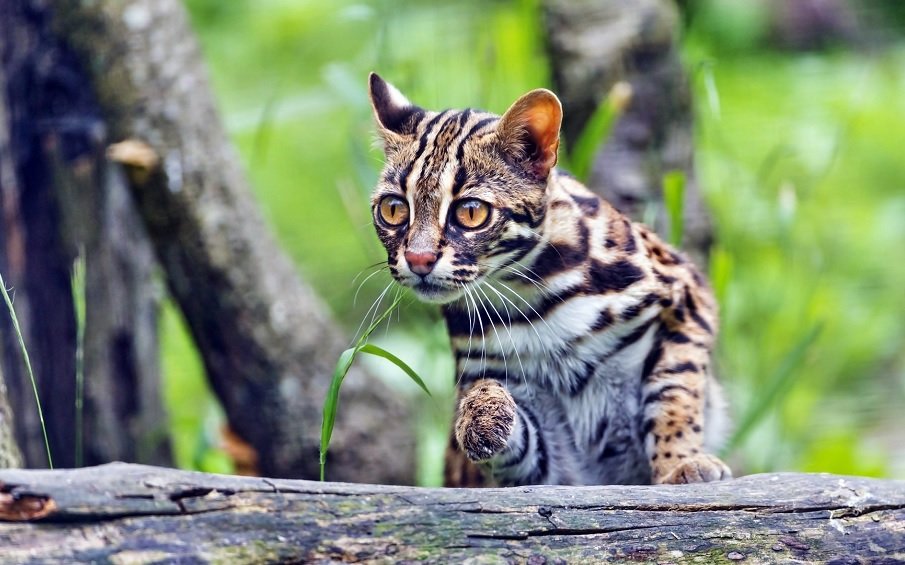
<point>673,399</point>
<point>500,435</point>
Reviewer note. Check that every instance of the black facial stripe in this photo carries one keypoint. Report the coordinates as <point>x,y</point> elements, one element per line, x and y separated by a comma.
<point>459,182</point>
<point>422,144</point>
<point>524,218</point>
<point>460,150</point>
<point>438,152</point>
<point>518,242</point>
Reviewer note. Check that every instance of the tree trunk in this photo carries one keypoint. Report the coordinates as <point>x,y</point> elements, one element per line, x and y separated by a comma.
<point>593,44</point>
<point>136,514</point>
<point>10,455</point>
<point>58,195</point>
<point>267,342</point>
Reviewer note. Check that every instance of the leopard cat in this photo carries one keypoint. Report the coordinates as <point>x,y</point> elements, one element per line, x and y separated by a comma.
<point>582,341</point>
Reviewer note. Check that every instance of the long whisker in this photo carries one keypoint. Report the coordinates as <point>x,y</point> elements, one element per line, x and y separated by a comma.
<point>483,337</point>
<point>368,268</point>
<point>493,327</point>
<point>467,296</point>
<point>375,306</point>
<point>536,313</point>
<point>537,279</point>
<point>508,328</point>
<point>543,288</point>
<point>470,325</point>
<point>366,279</point>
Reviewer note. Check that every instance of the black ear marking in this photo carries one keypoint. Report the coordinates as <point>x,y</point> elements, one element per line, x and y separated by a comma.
<point>393,111</point>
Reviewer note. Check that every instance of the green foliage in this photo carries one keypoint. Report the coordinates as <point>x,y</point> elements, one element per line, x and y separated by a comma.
<point>346,358</point>
<point>802,171</point>
<point>27,360</point>
<point>776,384</point>
<point>597,131</point>
<point>674,200</point>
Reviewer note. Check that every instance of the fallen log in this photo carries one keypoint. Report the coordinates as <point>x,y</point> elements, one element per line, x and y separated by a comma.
<point>137,514</point>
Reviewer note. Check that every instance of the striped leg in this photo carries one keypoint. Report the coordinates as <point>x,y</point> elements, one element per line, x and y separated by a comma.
<point>673,400</point>
<point>501,436</point>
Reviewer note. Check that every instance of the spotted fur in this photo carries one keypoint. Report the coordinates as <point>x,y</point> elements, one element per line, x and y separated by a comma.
<point>582,341</point>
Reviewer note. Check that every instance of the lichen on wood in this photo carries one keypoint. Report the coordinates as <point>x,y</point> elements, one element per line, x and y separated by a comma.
<point>146,514</point>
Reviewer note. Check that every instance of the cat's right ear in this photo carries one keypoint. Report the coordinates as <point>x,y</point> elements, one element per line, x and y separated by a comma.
<point>396,116</point>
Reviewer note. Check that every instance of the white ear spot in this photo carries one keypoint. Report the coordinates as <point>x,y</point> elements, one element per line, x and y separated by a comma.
<point>397,99</point>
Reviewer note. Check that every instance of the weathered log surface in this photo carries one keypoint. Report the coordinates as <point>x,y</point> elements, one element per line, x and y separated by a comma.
<point>130,513</point>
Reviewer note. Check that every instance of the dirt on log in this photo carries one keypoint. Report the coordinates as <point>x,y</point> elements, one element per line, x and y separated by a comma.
<point>138,514</point>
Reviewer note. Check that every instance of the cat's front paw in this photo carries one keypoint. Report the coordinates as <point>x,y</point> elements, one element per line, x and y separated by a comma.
<point>700,468</point>
<point>484,420</point>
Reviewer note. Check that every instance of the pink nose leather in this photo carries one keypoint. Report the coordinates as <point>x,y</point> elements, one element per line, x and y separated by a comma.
<point>421,263</point>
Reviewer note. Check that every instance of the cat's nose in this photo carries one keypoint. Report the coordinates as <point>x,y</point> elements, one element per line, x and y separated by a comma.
<point>421,263</point>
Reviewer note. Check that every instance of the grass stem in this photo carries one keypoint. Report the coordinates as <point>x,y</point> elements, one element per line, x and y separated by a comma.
<point>31,374</point>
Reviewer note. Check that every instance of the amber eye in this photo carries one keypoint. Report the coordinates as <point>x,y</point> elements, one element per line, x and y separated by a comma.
<point>393,211</point>
<point>472,214</point>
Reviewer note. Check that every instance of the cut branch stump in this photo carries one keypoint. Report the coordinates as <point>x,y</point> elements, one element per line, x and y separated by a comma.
<point>137,514</point>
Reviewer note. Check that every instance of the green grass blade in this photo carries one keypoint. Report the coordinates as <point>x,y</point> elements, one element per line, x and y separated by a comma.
<point>343,365</point>
<point>332,401</point>
<point>778,383</point>
<point>78,303</point>
<point>674,199</point>
<point>597,130</point>
<point>380,352</point>
<point>31,374</point>
<point>722,266</point>
<point>364,337</point>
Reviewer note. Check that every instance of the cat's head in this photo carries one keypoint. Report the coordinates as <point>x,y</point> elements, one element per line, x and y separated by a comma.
<point>463,193</point>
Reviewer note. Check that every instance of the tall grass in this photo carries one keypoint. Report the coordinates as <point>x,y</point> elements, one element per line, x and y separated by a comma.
<point>79,300</point>
<point>27,360</point>
<point>346,358</point>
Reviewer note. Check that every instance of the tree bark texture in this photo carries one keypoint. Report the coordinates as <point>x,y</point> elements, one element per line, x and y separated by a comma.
<point>60,197</point>
<point>130,513</point>
<point>10,454</point>
<point>267,342</point>
<point>593,44</point>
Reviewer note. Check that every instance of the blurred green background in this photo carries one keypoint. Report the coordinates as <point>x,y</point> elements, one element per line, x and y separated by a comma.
<point>800,154</point>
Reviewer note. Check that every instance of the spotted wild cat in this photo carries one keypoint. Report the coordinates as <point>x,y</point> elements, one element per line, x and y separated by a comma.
<point>582,341</point>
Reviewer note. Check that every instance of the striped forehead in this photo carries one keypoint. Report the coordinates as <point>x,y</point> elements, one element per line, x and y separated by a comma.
<point>436,167</point>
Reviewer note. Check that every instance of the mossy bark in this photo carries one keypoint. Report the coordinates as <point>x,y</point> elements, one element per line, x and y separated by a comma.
<point>119,513</point>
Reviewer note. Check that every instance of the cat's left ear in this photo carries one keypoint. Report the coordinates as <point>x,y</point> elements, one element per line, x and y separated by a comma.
<point>395,115</point>
<point>529,130</point>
